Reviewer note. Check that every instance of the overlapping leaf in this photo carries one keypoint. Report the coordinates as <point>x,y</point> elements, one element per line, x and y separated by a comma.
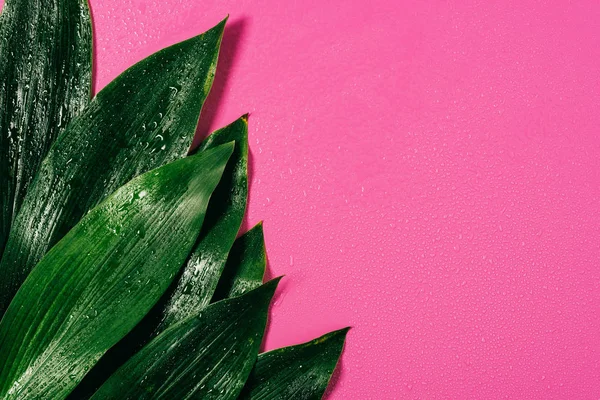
<point>203,357</point>
<point>104,276</point>
<point>144,118</point>
<point>201,274</point>
<point>293,373</point>
<point>99,281</point>
<point>223,218</point>
<point>245,266</point>
<point>299,372</point>
<point>45,80</point>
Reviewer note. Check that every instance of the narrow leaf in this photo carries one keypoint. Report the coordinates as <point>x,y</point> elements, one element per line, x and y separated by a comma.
<point>99,281</point>
<point>204,357</point>
<point>45,80</point>
<point>295,373</point>
<point>143,119</point>
<point>245,266</point>
<point>225,213</point>
<point>223,218</point>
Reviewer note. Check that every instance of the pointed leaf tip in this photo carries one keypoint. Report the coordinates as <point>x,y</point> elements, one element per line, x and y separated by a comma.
<point>126,130</point>
<point>257,227</point>
<point>268,289</point>
<point>260,297</point>
<point>245,266</point>
<point>219,28</point>
<point>201,274</point>
<point>302,371</point>
<point>275,281</point>
<point>237,131</point>
<point>343,331</point>
<point>337,336</point>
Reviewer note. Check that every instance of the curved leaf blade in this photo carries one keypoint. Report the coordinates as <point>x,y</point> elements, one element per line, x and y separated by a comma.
<point>299,372</point>
<point>226,210</point>
<point>245,266</point>
<point>224,214</point>
<point>100,280</point>
<point>203,357</point>
<point>45,80</point>
<point>143,119</point>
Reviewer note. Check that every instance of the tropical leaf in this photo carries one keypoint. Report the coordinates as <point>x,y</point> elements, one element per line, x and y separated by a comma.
<point>143,119</point>
<point>114,279</point>
<point>99,281</point>
<point>299,372</point>
<point>245,266</point>
<point>45,80</point>
<point>293,373</point>
<point>223,217</point>
<point>204,357</point>
<point>226,210</point>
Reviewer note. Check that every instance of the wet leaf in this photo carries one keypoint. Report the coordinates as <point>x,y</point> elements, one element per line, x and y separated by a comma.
<point>223,217</point>
<point>204,357</point>
<point>201,274</point>
<point>295,373</point>
<point>100,280</point>
<point>245,266</point>
<point>143,119</point>
<point>45,80</point>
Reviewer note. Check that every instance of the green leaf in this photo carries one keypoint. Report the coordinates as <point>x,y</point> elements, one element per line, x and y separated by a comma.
<point>295,373</point>
<point>143,119</point>
<point>245,266</point>
<point>99,281</point>
<point>201,274</point>
<point>45,80</point>
<point>204,357</point>
<point>223,218</point>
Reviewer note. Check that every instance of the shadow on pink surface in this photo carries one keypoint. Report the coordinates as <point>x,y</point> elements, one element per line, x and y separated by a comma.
<point>283,284</point>
<point>336,378</point>
<point>95,52</point>
<point>232,37</point>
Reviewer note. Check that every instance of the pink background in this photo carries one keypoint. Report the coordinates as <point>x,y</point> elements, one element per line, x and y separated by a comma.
<point>428,173</point>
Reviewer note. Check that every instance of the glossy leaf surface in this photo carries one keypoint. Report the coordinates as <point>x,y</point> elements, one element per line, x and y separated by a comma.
<point>203,357</point>
<point>45,80</point>
<point>295,373</point>
<point>100,280</point>
<point>245,266</point>
<point>225,212</point>
<point>143,119</point>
